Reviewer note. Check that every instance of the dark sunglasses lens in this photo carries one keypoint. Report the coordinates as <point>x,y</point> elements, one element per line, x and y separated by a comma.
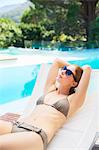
<point>68,72</point>
<point>64,68</point>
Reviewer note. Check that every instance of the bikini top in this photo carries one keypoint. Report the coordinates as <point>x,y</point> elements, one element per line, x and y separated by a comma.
<point>61,105</point>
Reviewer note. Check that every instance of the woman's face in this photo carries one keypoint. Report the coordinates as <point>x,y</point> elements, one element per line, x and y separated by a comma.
<point>67,79</point>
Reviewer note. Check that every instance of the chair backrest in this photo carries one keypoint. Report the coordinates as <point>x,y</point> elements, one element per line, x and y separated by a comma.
<point>79,132</point>
<point>96,92</point>
<point>38,88</point>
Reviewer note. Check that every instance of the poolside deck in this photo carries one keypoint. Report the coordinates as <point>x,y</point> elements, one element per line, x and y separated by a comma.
<point>21,60</point>
<point>7,57</point>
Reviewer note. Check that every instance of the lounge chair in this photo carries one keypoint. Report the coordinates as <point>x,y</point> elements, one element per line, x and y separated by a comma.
<point>95,144</point>
<point>78,133</point>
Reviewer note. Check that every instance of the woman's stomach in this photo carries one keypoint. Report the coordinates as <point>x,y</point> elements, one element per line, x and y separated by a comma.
<point>47,118</point>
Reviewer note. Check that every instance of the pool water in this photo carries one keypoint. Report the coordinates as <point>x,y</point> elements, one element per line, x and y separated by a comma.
<point>84,53</point>
<point>17,82</point>
<point>94,63</point>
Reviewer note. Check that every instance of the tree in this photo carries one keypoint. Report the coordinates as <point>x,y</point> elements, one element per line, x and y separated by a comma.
<point>88,11</point>
<point>30,32</point>
<point>56,16</point>
<point>94,30</point>
<point>89,15</point>
<point>9,33</point>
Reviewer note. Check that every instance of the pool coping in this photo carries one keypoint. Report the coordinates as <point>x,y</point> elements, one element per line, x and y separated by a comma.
<point>24,60</point>
<point>7,57</point>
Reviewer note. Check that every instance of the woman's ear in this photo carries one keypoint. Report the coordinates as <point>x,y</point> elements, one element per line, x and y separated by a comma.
<point>74,84</point>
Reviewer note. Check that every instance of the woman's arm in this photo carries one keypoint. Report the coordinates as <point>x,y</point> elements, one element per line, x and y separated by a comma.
<point>51,79</point>
<point>77,99</point>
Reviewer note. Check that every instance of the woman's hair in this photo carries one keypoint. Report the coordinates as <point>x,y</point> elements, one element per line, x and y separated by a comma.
<point>78,74</point>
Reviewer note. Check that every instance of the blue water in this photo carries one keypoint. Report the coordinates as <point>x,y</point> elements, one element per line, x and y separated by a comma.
<point>94,62</point>
<point>18,82</point>
<point>83,53</point>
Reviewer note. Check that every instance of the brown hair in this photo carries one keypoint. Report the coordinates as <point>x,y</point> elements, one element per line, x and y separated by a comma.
<point>78,74</point>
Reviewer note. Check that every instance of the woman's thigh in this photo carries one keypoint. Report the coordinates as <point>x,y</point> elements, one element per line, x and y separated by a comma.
<point>5,127</point>
<point>21,141</point>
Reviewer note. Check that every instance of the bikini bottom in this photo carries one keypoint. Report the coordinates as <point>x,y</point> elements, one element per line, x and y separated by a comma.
<point>24,127</point>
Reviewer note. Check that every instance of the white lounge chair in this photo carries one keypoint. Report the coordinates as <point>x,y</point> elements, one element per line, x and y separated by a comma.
<point>95,143</point>
<point>78,133</point>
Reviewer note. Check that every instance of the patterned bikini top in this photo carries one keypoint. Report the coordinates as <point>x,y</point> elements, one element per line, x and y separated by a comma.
<point>61,105</point>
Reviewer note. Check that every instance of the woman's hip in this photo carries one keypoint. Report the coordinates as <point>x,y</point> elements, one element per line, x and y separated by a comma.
<point>24,127</point>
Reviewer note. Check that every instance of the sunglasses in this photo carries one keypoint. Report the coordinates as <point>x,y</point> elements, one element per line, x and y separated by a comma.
<point>69,72</point>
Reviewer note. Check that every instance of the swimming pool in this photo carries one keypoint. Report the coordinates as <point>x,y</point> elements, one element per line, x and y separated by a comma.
<point>94,62</point>
<point>17,82</point>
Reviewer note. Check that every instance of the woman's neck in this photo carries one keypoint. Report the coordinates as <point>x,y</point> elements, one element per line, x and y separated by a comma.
<point>64,91</point>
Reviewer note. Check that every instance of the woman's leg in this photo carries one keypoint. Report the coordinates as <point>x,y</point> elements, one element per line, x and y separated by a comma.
<point>5,127</point>
<point>21,141</point>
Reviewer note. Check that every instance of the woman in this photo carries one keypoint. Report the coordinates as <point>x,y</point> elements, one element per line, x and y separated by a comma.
<point>63,96</point>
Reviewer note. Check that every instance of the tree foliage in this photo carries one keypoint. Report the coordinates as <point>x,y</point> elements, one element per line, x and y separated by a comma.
<point>9,32</point>
<point>55,21</point>
<point>94,39</point>
<point>71,17</point>
<point>54,17</point>
<point>30,31</point>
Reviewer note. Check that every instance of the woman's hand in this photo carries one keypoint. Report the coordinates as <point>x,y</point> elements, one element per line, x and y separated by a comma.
<point>61,63</point>
<point>86,67</point>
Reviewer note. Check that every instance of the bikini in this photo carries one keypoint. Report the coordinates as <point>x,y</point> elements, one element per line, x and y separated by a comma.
<point>61,105</point>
